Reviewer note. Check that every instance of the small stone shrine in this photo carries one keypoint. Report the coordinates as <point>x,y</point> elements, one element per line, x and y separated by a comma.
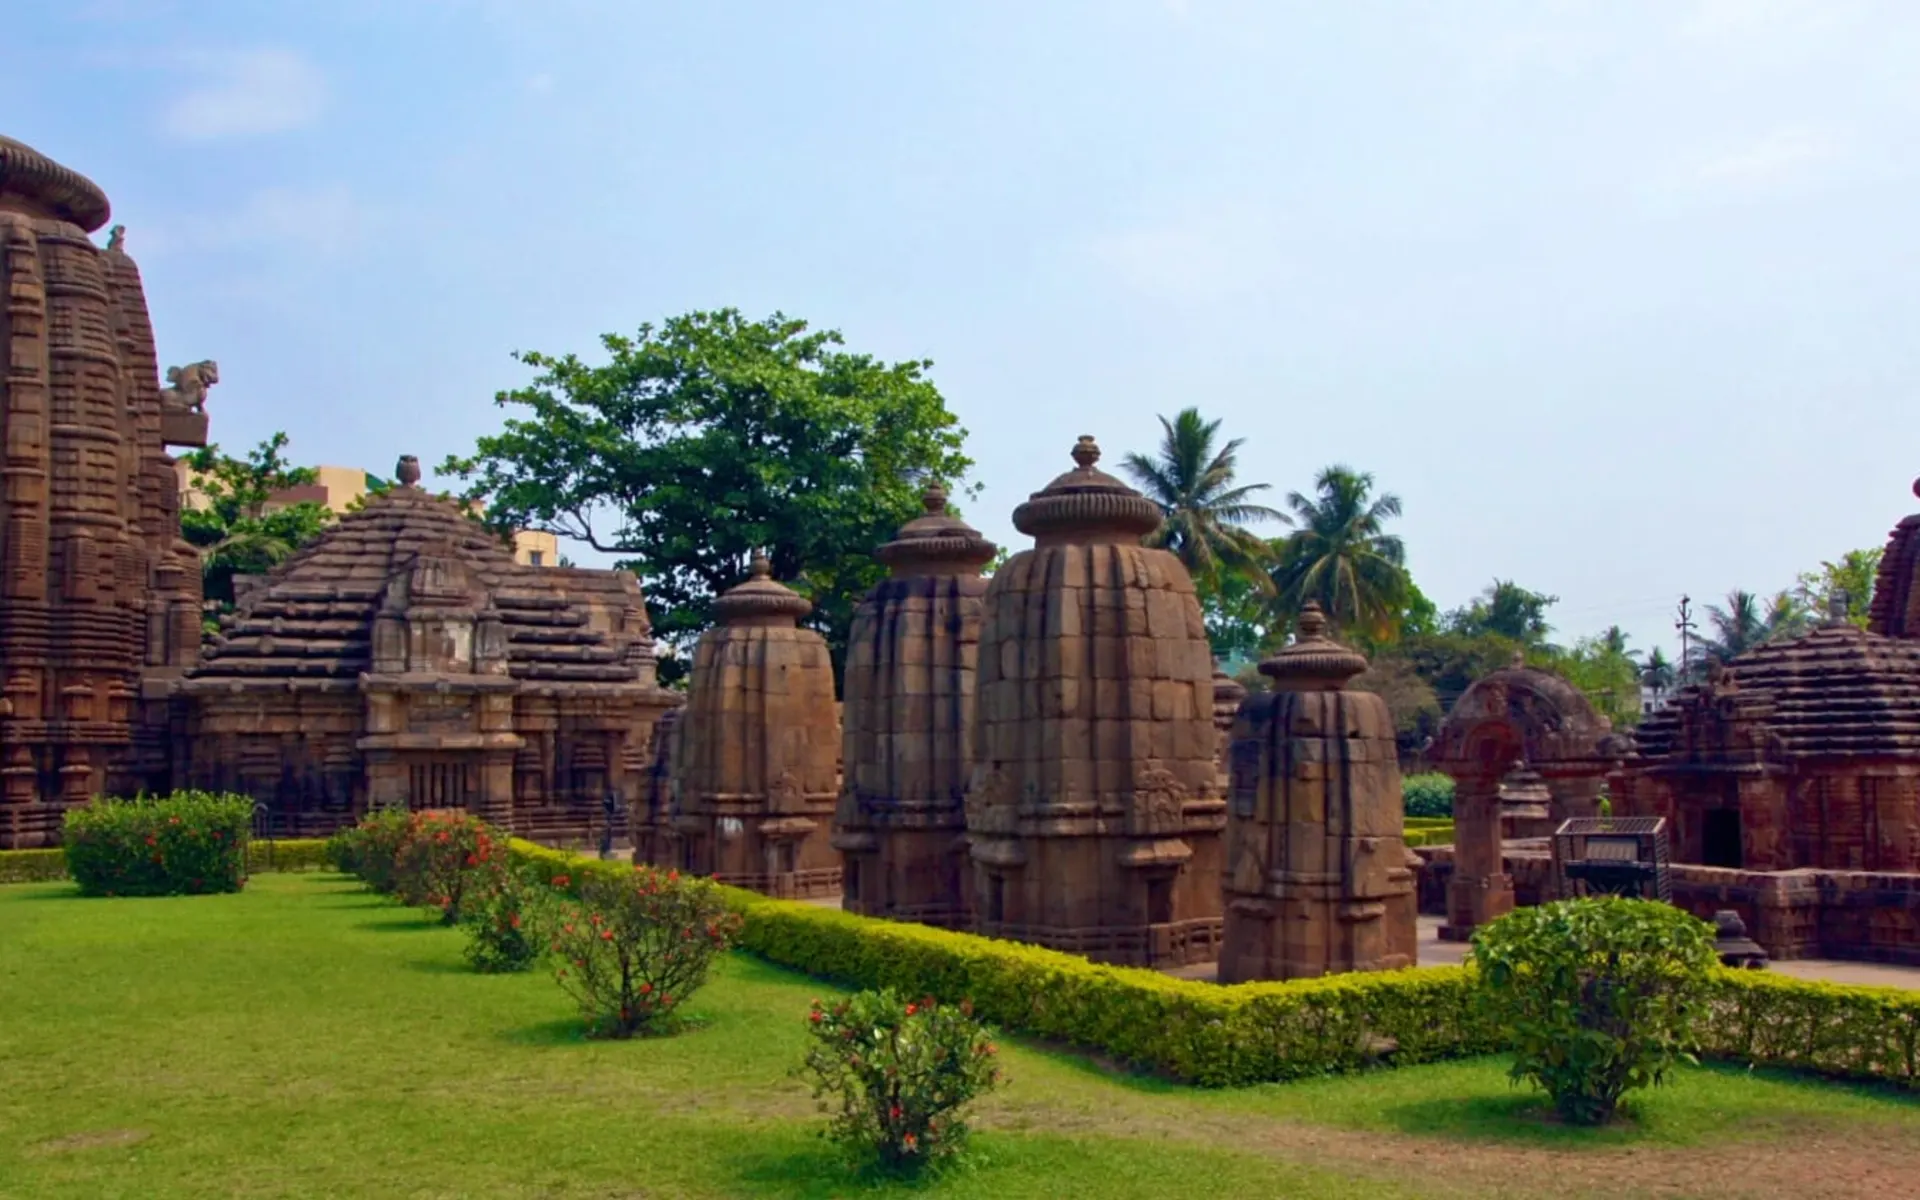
<point>99,594</point>
<point>908,724</point>
<point>404,659</point>
<point>651,821</point>
<point>1093,812</point>
<point>759,746</point>
<point>1227,695</point>
<point>1791,780</point>
<point>1317,876</point>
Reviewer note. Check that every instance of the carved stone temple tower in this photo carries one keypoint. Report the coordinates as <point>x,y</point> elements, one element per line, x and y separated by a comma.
<point>908,720</point>
<point>1093,811</point>
<point>758,748</point>
<point>99,595</point>
<point>1317,877</point>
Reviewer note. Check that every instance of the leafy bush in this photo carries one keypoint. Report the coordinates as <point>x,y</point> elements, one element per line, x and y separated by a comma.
<point>895,1075</point>
<point>1265,1032</point>
<point>504,926</point>
<point>636,945</point>
<point>32,866</point>
<point>1429,794</point>
<point>188,842</point>
<point>447,856</point>
<point>371,849</point>
<point>1600,995</point>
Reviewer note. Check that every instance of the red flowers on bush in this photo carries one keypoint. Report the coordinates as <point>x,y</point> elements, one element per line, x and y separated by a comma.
<point>898,1075</point>
<point>638,946</point>
<point>447,857</point>
<point>187,842</point>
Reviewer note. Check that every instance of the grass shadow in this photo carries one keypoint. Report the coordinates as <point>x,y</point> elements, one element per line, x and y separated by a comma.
<point>817,1170</point>
<point>1524,1118</point>
<point>421,926</point>
<point>432,966</point>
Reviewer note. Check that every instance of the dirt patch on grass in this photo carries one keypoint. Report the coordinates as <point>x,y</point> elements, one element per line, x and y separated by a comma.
<point>97,1139</point>
<point>1810,1160</point>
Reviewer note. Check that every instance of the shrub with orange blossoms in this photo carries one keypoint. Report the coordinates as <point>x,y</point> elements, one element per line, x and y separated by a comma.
<point>447,858</point>
<point>632,948</point>
<point>896,1075</point>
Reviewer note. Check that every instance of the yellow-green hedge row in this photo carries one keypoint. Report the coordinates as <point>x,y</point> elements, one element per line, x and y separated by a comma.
<point>293,854</point>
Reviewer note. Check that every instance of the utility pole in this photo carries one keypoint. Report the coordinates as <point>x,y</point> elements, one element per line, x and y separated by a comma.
<point>1686,627</point>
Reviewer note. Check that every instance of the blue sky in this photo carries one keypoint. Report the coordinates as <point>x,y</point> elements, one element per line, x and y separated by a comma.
<point>1619,297</point>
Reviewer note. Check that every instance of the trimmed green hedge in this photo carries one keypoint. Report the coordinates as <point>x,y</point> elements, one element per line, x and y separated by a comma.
<point>47,866</point>
<point>1207,1034</point>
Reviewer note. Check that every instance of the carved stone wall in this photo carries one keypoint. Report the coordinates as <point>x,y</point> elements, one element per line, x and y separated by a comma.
<point>908,725</point>
<point>97,591</point>
<point>653,810</point>
<point>1093,812</point>
<point>757,772</point>
<point>1317,877</point>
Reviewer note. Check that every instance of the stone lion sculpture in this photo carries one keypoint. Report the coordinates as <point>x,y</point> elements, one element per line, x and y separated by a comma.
<point>187,386</point>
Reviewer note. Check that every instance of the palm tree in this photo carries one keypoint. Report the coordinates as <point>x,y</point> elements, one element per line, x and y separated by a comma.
<point>1204,513</point>
<point>1341,555</point>
<point>1744,624</point>
<point>1655,671</point>
<point>1787,617</point>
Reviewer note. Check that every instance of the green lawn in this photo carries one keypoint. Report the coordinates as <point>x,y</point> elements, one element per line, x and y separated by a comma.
<point>306,1039</point>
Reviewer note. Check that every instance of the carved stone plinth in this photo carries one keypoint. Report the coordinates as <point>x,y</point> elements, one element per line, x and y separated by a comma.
<point>1093,812</point>
<point>908,725</point>
<point>759,748</point>
<point>1317,880</point>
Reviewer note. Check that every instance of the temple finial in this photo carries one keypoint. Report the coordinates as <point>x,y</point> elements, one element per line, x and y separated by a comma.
<point>1086,452</point>
<point>407,471</point>
<point>759,567</point>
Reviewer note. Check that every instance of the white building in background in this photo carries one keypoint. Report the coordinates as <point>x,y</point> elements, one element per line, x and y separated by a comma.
<point>339,487</point>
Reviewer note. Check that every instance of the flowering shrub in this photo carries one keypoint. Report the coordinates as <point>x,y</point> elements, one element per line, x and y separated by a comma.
<point>899,1072</point>
<point>371,849</point>
<point>188,842</point>
<point>504,926</point>
<point>447,857</point>
<point>1599,995</point>
<point>635,945</point>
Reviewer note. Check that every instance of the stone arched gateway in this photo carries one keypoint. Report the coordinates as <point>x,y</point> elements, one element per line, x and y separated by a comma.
<point>1519,715</point>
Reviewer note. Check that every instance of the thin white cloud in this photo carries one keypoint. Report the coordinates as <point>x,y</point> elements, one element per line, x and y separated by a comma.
<point>1225,252</point>
<point>246,93</point>
<point>326,222</point>
<point>1765,20</point>
<point>539,84</point>
<point>1788,152</point>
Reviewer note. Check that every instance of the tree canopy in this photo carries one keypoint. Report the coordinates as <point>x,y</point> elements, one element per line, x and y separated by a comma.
<point>1342,556</point>
<point>1206,512</point>
<point>236,528</point>
<point>710,436</point>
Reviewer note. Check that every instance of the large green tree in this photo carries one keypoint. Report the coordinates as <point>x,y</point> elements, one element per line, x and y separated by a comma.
<point>710,436</point>
<point>1853,575</point>
<point>232,519</point>
<point>1191,476</point>
<point>1342,556</point>
<point>1747,621</point>
<point>1505,610</point>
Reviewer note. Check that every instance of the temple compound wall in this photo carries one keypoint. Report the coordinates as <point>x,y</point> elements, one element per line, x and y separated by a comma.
<point>99,595</point>
<point>404,659</point>
<point>1093,812</point>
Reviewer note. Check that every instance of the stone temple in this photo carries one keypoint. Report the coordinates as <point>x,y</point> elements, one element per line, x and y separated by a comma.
<point>1318,877</point>
<point>403,658</point>
<point>99,595</point>
<point>1094,812</point>
<point>757,756</point>
<point>908,724</point>
<point>1790,781</point>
